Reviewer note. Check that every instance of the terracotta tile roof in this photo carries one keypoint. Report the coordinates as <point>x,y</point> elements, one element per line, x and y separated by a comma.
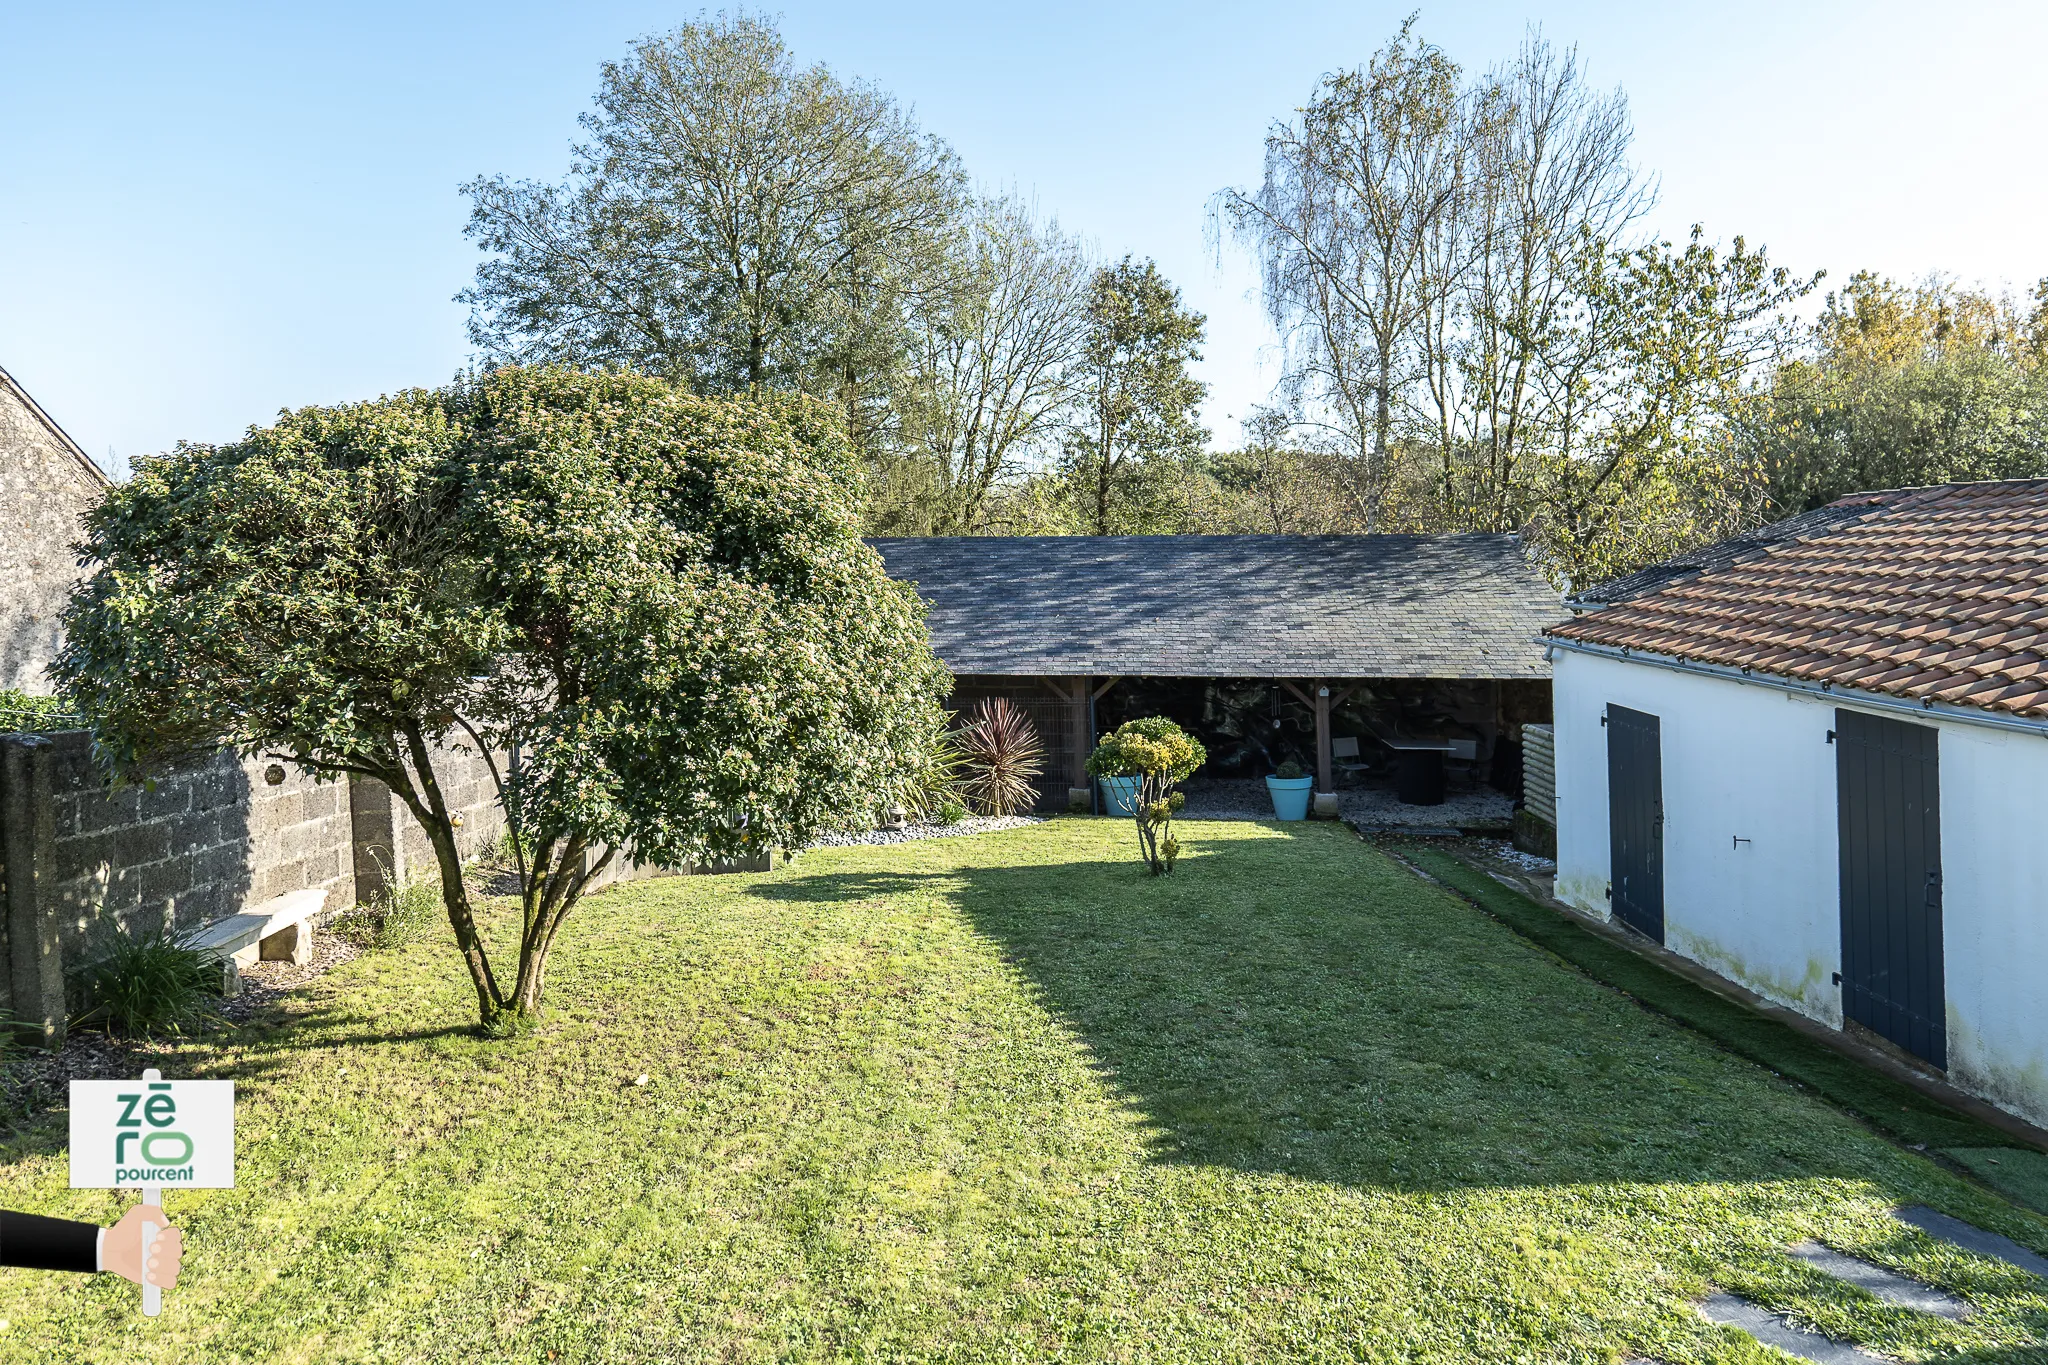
<point>1928,593</point>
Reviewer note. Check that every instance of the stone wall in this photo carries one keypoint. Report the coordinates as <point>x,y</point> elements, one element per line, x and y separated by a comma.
<point>46,484</point>
<point>80,864</point>
<point>389,843</point>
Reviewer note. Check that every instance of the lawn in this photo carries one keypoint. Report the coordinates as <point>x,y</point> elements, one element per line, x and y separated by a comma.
<point>1006,1098</point>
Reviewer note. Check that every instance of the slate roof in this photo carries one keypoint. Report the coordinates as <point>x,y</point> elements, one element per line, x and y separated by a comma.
<point>1927,593</point>
<point>1456,606</point>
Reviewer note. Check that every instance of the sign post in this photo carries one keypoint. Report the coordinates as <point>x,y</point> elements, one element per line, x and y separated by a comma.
<point>155,1134</point>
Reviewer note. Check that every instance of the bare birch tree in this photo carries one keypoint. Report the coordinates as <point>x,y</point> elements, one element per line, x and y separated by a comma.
<point>1357,190</point>
<point>990,374</point>
<point>1547,172</point>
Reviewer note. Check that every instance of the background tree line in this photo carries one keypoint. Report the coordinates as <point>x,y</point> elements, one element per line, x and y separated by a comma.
<point>1478,333</point>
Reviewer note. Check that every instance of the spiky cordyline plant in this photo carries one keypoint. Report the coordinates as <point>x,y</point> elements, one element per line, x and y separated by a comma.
<point>1000,758</point>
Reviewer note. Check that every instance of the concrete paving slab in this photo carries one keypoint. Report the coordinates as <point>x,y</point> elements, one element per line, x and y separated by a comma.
<point>1972,1238</point>
<point>1891,1287</point>
<point>1772,1330</point>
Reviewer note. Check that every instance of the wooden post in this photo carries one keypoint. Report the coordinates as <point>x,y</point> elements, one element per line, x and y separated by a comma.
<point>1324,775</point>
<point>1084,742</point>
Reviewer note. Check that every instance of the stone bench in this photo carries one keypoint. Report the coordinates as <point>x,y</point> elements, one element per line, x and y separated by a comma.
<point>278,930</point>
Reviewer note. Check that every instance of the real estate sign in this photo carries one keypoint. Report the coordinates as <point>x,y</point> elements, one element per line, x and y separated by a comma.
<point>153,1133</point>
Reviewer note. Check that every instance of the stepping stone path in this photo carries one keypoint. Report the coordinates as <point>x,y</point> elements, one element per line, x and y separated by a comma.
<point>1773,1329</point>
<point>1892,1288</point>
<point>1971,1238</point>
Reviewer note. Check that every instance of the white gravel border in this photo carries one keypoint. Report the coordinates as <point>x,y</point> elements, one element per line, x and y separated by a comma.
<point>973,824</point>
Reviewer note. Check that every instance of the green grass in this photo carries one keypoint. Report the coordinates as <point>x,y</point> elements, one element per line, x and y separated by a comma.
<point>1006,1098</point>
<point>1890,1105</point>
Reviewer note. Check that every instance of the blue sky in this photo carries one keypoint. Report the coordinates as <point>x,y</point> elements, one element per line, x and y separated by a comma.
<point>210,212</point>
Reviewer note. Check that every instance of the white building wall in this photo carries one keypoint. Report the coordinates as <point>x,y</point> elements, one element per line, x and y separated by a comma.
<point>1752,762</point>
<point>1994,872</point>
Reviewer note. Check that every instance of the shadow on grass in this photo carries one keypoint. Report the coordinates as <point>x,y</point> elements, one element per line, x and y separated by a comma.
<point>256,1049</point>
<point>1300,1004</point>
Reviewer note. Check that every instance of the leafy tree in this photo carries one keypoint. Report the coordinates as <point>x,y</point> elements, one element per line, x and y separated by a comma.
<point>1649,460</point>
<point>1161,756</point>
<point>1137,407</point>
<point>660,603</point>
<point>1901,386</point>
<point>732,222</point>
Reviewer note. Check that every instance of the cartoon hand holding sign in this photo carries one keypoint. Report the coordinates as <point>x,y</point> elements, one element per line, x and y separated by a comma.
<point>153,1133</point>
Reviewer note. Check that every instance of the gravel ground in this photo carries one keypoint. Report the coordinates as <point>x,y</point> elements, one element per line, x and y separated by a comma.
<point>1508,853</point>
<point>973,824</point>
<point>1247,799</point>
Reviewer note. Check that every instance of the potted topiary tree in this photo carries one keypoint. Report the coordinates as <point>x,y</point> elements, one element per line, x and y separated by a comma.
<point>1157,756</point>
<point>1289,788</point>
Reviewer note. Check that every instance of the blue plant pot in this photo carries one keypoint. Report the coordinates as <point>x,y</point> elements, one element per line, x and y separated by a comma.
<point>1290,796</point>
<point>1120,795</point>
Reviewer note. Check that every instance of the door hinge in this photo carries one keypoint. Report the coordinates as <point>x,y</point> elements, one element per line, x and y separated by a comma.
<point>1838,978</point>
<point>1609,893</point>
<point>1603,718</point>
<point>1831,736</point>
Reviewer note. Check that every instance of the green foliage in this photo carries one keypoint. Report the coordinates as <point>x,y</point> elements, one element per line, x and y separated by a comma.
<point>733,221</point>
<point>663,601</point>
<point>398,915</point>
<point>155,983</point>
<point>949,812</point>
<point>934,783</point>
<point>26,712</point>
<point>1000,758</point>
<point>1161,756</point>
<point>1902,387</point>
<point>1138,415</point>
<point>1289,771</point>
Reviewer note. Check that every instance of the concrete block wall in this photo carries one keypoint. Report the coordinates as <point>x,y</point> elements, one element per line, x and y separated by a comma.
<point>389,842</point>
<point>196,844</point>
<point>80,864</point>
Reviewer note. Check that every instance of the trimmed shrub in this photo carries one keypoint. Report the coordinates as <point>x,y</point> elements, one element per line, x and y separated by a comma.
<point>1161,756</point>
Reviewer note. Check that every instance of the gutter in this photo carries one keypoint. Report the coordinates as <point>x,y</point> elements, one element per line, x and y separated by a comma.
<point>1876,701</point>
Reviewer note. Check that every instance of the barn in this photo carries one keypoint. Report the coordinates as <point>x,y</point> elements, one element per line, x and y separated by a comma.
<point>1364,658</point>
<point>1815,760</point>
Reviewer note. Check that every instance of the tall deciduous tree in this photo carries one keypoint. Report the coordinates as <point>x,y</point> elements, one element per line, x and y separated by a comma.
<point>1358,191</point>
<point>991,373</point>
<point>1546,170</point>
<point>731,221</point>
<point>1136,415</point>
<point>663,602</point>
<point>1648,460</point>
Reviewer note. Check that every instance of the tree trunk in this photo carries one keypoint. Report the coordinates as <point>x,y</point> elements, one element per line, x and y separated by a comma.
<point>431,811</point>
